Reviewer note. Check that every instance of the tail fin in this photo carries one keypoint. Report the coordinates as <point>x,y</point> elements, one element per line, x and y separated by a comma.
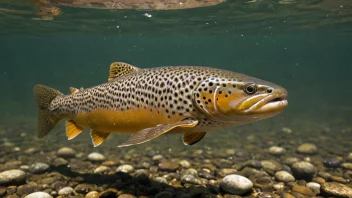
<point>44,95</point>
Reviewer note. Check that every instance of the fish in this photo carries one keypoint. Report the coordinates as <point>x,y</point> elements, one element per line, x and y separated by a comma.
<point>146,103</point>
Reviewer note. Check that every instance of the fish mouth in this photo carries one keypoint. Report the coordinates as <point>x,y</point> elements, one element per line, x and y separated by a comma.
<point>269,104</point>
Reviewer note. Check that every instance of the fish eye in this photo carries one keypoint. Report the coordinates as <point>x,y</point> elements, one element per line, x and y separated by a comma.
<point>250,88</point>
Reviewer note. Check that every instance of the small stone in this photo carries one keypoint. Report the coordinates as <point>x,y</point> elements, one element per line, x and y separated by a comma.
<point>338,179</point>
<point>96,157</point>
<point>65,191</point>
<point>271,166</point>
<point>303,170</point>
<point>236,184</point>
<point>303,190</point>
<point>59,162</point>
<point>110,193</point>
<point>24,167</point>
<point>160,180</point>
<point>109,163</point>
<point>276,150</point>
<point>349,157</point>
<point>284,176</point>
<point>126,168</point>
<point>336,189</point>
<point>279,186</point>
<point>347,166</point>
<point>12,177</point>
<point>92,194</point>
<point>66,152</point>
<point>332,163</point>
<point>157,157</point>
<point>190,171</point>
<point>101,169</point>
<point>25,190</point>
<point>307,149</point>
<point>227,171</point>
<point>142,177</point>
<point>290,160</point>
<point>164,194</point>
<point>38,195</point>
<point>185,163</point>
<point>126,196</point>
<point>315,187</point>
<point>230,151</point>
<point>190,179</point>
<point>84,188</point>
<point>2,191</point>
<point>39,168</point>
<point>168,166</point>
<point>286,130</point>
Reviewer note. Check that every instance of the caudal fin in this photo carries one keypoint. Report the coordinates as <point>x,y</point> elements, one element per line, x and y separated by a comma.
<point>44,95</point>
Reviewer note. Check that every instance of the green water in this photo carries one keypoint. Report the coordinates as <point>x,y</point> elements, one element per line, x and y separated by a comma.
<point>304,46</point>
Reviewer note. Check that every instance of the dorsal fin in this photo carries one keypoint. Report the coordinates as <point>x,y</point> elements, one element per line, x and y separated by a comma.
<point>119,68</point>
<point>75,90</point>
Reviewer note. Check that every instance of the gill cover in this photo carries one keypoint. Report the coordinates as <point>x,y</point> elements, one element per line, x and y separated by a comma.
<point>224,100</point>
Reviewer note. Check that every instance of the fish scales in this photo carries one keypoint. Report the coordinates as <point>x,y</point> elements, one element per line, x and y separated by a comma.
<point>150,102</point>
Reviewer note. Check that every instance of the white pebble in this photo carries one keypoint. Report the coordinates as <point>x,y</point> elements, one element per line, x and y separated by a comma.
<point>65,191</point>
<point>96,157</point>
<point>38,195</point>
<point>236,184</point>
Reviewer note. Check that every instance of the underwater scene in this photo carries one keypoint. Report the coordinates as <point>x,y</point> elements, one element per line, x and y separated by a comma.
<point>175,98</point>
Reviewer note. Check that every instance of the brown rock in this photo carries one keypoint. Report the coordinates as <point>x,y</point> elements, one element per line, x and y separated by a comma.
<point>84,188</point>
<point>303,190</point>
<point>2,191</point>
<point>25,190</point>
<point>168,166</point>
<point>126,196</point>
<point>336,189</point>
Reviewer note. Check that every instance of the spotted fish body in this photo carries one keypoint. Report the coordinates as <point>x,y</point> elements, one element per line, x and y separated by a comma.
<point>146,103</point>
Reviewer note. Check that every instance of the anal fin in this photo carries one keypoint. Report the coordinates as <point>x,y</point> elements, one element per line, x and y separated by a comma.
<point>98,137</point>
<point>148,134</point>
<point>192,138</point>
<point>72,129</point>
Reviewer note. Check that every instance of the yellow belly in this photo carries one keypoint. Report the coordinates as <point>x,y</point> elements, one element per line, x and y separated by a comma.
<point>127,122</point>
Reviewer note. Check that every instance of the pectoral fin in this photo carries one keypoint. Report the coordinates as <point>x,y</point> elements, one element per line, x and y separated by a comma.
<point>98,137</point>
<point>192,138</point>
<point>72,129</point>
<point>148,134</point>
<point>73,90</point>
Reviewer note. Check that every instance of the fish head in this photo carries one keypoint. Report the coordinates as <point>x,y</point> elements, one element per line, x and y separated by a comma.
<point>239,98</point>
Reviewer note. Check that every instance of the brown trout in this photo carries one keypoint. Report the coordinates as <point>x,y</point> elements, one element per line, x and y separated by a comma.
<point>146,103</point>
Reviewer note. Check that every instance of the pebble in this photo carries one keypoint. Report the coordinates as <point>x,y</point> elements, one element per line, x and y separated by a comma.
<point>315,187</point>
<point>168,166</point>
<point>347,166</point>
<point>190,171</point>
<point>307,149</point>
<point>276,150</point>
<point>303,190</point>
<point>25,190</point>
<point>236,184</point>
<point>38,168</point>
<point>271,166</point>
<point>66,152</point>
<point>24,167</point>
<point>286,130</point>
<point>109,163</point>
<point>92,194</point>
<point>336,189</point>
<point>2,191</point>
<point>290,160</point>
<point>303,170</point>
<point>349,157</point>
<point>84,188</point>
<point>126,168</point>
<point>157,157</point>
<point>284,176</point>
<point>332,163</point>
<point>126,196</point>
<point>190,179</point>
<point>60,162</point>
<point>14,176</point>
<point>227,171</point>
<point>38,195</point>
<point>96,157</point>
<point>101,169</point>
<point>185,163</point>
<point>65,191</point>
<point>160,180</point>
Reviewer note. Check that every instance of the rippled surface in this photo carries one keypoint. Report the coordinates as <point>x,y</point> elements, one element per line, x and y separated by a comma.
<point>238,16</point>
